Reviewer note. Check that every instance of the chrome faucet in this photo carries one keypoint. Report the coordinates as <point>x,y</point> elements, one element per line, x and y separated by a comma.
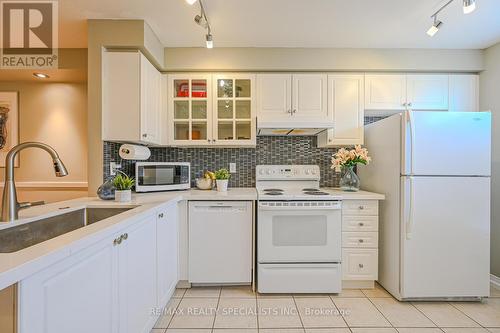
<point>10,206</point>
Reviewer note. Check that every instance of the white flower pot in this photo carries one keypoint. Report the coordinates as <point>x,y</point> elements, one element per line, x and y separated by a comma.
<point>222,185</point>
<point>123,196</point>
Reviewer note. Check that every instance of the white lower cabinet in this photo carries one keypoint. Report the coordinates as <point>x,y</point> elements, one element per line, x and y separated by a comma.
<point>111,286</point>
<point>167,235</point>
<point>78,294</point>
<point>137,277</point>
<point>359,264</point>
<point>359,243</point>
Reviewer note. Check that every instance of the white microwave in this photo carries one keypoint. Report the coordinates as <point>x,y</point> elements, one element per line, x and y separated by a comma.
<point>162,176</point>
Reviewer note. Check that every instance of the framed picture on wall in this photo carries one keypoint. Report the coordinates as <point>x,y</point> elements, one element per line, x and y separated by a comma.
<point>9,124</point>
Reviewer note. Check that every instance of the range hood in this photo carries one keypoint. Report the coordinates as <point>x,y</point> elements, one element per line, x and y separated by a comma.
<point>291,128</point>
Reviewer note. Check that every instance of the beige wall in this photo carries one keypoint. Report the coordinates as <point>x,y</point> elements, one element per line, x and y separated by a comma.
<point>323,59</point>
<point>56,114</point>
<point>490,100</point>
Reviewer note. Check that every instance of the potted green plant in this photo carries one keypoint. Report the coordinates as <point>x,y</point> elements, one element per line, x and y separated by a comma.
<point>222,178</point>
<point>123,185</point>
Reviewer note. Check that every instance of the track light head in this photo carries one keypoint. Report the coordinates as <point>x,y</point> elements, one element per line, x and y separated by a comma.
<point>435,27</point>
<point>201,21</point>
<point>210,41</point>
<point>191,1</point>
<point>469,6</point>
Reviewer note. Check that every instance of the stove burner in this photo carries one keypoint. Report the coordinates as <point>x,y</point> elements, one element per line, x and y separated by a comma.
<point>273,193</point>
<point>311,190</point>
<point>316,193</point>
<point>273,190</point>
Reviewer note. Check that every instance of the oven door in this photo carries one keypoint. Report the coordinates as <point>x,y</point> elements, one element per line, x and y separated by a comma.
<point>294,232</point>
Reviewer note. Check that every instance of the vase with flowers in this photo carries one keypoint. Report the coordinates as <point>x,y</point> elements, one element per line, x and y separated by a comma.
<point>344,161</point>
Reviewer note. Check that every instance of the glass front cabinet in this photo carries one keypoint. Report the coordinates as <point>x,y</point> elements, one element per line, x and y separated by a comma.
<point>211,109</point>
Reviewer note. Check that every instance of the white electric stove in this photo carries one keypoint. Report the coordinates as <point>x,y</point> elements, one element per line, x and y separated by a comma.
<point>298,231</point>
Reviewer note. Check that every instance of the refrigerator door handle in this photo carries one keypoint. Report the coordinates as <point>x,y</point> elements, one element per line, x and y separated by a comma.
<point>412,138</point>
<point>409,218</point>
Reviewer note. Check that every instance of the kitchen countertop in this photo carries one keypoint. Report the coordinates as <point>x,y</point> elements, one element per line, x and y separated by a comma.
<point>360,195</point>
<point>18,265</point>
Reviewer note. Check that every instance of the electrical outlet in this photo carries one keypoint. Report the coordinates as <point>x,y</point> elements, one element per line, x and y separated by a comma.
<point>232,167</point>
<point>113,166</point>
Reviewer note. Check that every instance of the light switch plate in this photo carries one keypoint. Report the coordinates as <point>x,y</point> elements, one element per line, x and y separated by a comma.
<point>113,166</point>
<point>232,167</point>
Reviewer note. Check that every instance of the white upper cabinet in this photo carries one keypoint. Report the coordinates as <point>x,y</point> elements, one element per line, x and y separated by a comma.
<point>234,110</point>
<point>385,91</point>
<point>427,92</point>
<point>190,109</point>
<point>211,109</point>
<point>131,98</point>
<point>346,104</point>
<point>274,99</point>
<point>397,92</point>
<point>287,100</point>
<point>309,101</point>
<point>464,93</point>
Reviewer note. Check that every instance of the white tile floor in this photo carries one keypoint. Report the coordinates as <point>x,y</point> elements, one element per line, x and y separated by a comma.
<point>239,310</point>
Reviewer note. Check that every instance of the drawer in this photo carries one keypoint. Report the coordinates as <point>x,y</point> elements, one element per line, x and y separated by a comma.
<point>359,264</point>
<point>360,207</point>
<point>359,223</point>
<point>299,278</point>
<point>360,239</point>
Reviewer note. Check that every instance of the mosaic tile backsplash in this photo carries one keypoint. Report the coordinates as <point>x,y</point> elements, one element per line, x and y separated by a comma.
<point>269,150</point>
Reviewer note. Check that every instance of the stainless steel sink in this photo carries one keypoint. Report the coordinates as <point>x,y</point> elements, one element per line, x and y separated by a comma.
<point>23,236</point>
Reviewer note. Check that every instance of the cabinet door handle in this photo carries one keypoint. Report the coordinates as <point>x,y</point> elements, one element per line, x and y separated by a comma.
<point>361,240</point>
<point>160,215</point>
<point>361,207</point>
<point>405,104</point>
<point>117,241</point>
<point>124,236</point>
<point>409,104</point>
<point>294,111</point>
<point>361,224</point>
<point>361,265</point>
<point>289,111</point>
<point>145,135</point>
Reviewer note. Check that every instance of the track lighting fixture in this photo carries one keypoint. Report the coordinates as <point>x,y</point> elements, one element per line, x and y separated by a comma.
<point>202,20</point>
<point>468,6</point>
<point>435,27</point>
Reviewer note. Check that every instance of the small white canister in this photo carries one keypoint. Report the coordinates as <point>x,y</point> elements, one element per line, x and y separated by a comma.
<point>123,196</point>
<point>222,185</point>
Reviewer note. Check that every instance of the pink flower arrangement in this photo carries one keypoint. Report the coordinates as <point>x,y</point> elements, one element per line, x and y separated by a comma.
<point>349,158</point>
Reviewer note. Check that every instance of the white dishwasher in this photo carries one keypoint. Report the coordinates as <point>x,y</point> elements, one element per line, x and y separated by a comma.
<point>220,242</point>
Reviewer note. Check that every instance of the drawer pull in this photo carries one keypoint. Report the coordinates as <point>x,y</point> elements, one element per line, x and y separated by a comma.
<point>160,215</point>
<point>361,207</point>
<point>117,241</point>
<point>124,236</point>
<point>360,240</point>
<point>361,265</point>
<point>361,224</point>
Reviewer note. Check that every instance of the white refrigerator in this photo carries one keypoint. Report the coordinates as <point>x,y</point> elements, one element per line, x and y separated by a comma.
<point>434,168</point>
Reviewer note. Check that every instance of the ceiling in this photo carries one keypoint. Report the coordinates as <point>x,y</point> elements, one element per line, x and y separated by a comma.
<point>295,23</point>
